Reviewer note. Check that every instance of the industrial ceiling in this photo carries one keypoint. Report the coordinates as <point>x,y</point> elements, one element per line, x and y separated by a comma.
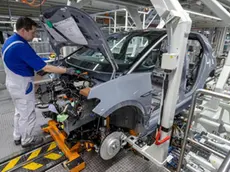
<point>200,14</point>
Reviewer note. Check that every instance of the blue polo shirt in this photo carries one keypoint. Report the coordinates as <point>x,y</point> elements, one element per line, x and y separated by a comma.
<point>21,58</point>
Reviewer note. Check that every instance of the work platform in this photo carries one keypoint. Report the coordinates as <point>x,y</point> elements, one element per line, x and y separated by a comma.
<point>125,161</point>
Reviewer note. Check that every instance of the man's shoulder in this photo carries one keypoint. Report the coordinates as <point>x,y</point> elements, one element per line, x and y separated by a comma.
<point>12,39</point>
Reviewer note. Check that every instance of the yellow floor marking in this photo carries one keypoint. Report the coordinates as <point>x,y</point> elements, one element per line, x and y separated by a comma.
<point>34,154</point>
<point>11,164</point>
<point>52,146</point>
<point>32,166</point>
<point>53,156</point>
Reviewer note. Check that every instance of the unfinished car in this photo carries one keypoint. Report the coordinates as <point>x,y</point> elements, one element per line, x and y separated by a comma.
<point>118,83</point>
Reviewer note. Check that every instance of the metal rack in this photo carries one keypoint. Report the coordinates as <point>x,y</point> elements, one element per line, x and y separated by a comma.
<point>226,164</point>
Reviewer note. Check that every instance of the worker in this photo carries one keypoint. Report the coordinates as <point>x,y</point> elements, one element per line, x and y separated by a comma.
<point>20,64</point>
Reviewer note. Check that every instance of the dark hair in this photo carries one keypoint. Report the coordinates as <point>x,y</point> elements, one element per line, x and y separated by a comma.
<point>26,23</point>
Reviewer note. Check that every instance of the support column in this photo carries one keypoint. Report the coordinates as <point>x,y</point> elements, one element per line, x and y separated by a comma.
<point>178,25</point>
<point>221,41</point>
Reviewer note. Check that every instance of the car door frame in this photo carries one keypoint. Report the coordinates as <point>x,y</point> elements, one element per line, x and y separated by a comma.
<point>203,72</point>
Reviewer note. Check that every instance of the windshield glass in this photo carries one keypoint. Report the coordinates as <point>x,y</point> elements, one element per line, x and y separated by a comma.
<point>126,49</point>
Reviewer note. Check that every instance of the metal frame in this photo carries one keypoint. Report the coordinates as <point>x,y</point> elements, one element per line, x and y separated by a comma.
<point>178,24</point>
<point>134,14</point>
<point>189,122</point>
<point>225,16</point>
<point>225,166</point>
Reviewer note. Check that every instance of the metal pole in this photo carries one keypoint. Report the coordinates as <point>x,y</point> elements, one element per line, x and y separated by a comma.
<point>115,22</point>
<point>104,12</point>
<point>187,131</point>
<point>199,91</point>
<point>109,26</point>
<point>143,22</point>
<point>126,20</point>
<point>225,166</point>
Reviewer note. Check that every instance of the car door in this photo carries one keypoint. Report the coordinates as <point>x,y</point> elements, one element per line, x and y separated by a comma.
<point>198,65</point>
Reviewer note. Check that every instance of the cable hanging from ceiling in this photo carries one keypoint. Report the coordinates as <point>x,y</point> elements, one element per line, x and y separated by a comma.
<point>33,3</point>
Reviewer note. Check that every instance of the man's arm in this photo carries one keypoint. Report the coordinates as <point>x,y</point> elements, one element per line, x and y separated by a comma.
<point>28,55</point>
<point>54,69</point>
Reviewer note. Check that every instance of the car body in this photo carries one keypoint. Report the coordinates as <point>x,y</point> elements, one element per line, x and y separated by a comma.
<point>125,70</point>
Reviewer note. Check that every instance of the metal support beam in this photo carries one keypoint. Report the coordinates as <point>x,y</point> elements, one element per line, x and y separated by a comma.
<point>130,4</point>
<point>218,9</point>
<point>135,16</point>
<point>178,25</point>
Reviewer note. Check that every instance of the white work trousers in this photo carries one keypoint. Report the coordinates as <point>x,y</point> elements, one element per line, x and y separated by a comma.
<point>22,94</point>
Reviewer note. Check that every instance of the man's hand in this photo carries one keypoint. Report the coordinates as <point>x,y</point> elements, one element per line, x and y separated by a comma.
<point>41,73</point>
<point>70,71</point>
<point>58,70</point>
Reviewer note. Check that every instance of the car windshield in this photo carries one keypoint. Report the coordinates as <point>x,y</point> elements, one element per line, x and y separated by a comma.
<point>126,49</point>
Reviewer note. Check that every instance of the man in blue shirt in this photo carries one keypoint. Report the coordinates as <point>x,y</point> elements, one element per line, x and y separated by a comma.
<point>20,63</point>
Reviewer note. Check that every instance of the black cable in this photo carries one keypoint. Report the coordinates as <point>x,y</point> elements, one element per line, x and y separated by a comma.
<point>165,88</point>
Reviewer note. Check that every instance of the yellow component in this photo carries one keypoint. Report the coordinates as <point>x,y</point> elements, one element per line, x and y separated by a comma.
<point>59,137</point>
<point>53,156</point>
<point>11,164</point>
<point>32,166</point>
<point>52,55</point>
<point>171,57</point>
<point>34,154</point>
<point>52,146</point>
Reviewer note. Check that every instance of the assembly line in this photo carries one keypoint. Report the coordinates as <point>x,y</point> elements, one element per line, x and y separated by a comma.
<point>80,91</point>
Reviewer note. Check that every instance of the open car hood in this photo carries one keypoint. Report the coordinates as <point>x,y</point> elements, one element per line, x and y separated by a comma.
<point>69,26</point>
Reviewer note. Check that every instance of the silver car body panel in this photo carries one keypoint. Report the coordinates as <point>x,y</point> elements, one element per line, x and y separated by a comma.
<point>128,90</point>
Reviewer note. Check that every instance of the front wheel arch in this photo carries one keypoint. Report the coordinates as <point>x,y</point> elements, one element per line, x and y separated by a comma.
<point>128,117</point>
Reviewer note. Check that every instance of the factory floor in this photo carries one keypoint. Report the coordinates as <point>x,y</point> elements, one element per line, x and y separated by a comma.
<point>125,161</point>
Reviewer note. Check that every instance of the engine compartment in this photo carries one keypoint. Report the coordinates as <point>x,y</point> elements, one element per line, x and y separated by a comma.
<point>65,94</point>
<point>64,100</point>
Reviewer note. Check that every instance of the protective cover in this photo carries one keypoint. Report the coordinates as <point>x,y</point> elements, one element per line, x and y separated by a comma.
<point>69,26</point>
